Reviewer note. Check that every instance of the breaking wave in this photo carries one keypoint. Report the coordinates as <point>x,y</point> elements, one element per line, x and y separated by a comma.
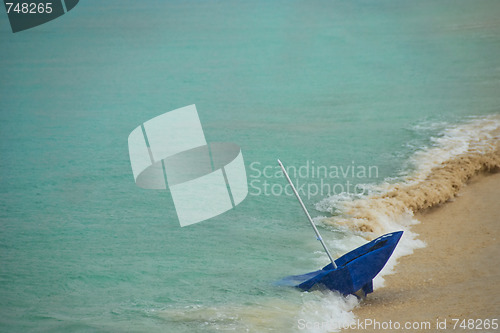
<point>439,172</point>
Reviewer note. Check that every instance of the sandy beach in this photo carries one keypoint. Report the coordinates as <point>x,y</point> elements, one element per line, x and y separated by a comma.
<point>455,277</point>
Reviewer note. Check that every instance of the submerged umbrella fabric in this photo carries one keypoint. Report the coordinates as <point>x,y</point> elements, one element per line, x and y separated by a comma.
<point>355,270</point>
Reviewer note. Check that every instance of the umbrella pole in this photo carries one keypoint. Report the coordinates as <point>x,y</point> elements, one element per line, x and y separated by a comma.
<point>307,214</point>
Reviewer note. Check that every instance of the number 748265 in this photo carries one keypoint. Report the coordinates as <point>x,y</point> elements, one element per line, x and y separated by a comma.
<point>29,8</point>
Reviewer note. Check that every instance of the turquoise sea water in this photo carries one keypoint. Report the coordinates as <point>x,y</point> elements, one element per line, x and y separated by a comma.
<point>337,83</point>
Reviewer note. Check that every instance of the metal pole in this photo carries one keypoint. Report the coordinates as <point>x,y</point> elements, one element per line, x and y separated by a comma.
<point>307,214</point>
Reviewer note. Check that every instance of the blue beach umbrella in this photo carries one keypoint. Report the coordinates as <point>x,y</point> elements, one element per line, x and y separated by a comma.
<point>353,272</point>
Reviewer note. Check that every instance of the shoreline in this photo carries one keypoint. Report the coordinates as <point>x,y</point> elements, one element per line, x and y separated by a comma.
<point>456,275</point>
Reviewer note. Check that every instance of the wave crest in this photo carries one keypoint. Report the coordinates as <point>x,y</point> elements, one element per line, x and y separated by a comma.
<point>459,154</point>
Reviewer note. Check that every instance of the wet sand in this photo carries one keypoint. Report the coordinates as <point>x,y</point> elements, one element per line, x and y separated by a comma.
<point>457,276</point>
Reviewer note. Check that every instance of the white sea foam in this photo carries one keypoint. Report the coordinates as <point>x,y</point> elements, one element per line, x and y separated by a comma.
<point>318,312</point>
<point>439,172</point>
<point>323,312</point>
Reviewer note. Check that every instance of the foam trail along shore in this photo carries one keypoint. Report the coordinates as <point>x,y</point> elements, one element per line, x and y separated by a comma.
<point>461,152</point>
